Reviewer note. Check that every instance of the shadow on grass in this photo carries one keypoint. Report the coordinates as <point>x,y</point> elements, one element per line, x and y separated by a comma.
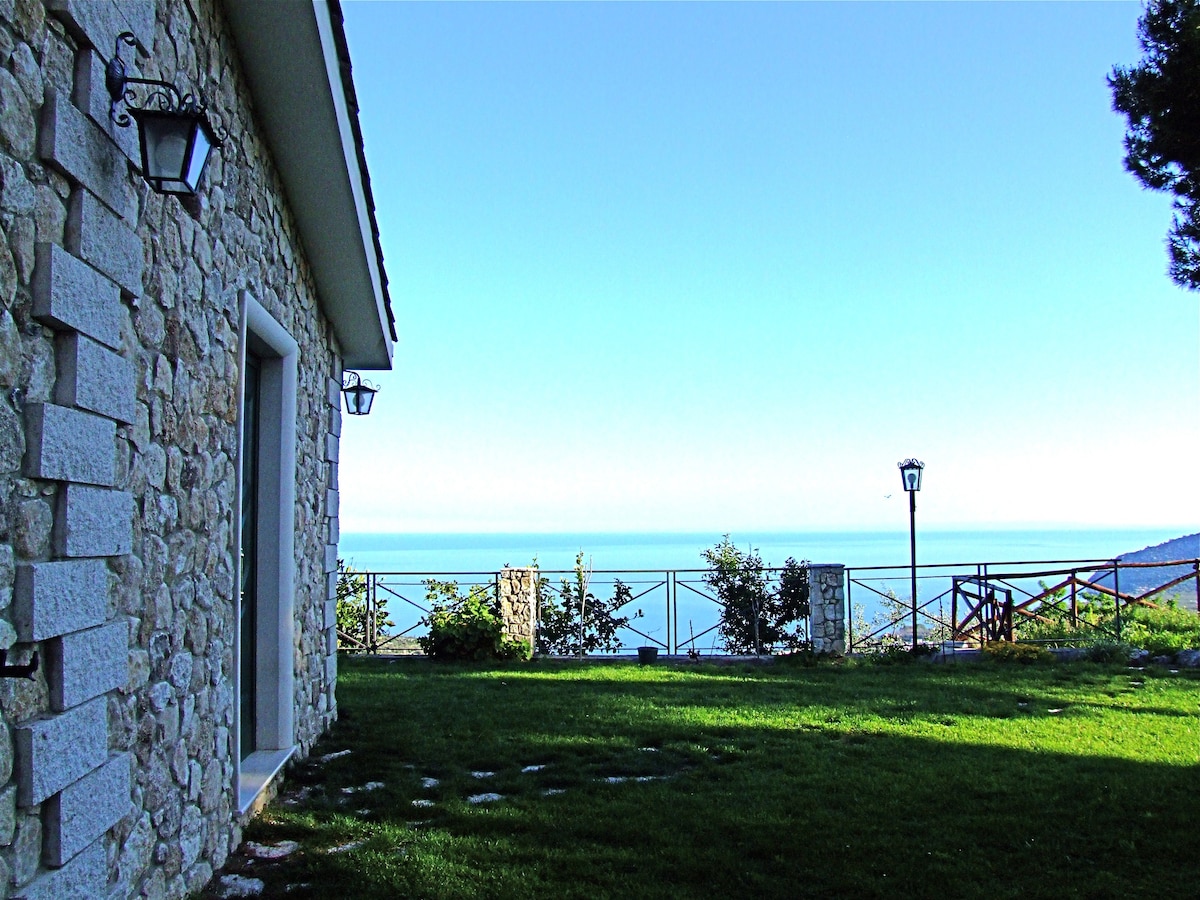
<point>810,783</point>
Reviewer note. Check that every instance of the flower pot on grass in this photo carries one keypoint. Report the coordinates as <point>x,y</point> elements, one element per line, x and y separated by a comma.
<point>647,655</point>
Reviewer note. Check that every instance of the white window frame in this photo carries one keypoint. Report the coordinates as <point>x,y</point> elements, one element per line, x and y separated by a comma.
<point>274,739</point>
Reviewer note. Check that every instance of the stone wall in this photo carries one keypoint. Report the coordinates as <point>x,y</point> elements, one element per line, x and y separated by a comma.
<point>120,358</point>
<point>827,596</point>
<point>518,603</point>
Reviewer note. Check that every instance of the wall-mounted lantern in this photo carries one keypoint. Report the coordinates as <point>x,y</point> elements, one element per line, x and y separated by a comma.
<point>359,394</point>
<point>174,130</point>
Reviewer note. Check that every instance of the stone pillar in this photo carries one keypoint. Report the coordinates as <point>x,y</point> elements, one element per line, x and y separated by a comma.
<point>518,603</point>
<point>828,598</point>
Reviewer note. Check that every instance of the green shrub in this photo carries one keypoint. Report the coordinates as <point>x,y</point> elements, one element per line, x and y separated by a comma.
<point>1012,652</point>
<point>1107,650</point>
<point>467,628</point>
<point>1162,630</point>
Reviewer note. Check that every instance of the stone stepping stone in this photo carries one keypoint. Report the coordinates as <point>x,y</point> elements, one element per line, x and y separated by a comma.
<point>230,886</point>
<point>483,774</point>
<point>529,769</point>
<point>270,851</point>
<point>429,783</point>
<point>346,848</point>
<point>422,804</point>
<point>330,757</point>
<point>484,798</point>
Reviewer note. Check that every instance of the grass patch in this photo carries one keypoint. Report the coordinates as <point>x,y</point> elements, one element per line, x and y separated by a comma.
<point>922,780</point>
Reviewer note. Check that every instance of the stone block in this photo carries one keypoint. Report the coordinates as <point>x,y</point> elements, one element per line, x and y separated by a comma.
<point>96,23</point>
<point>331,582</point>
<point>331,670</point>
<point>59,750</point>
<point>333,392</point>
<point>85,664</point>
<point>335,529</point>
<point>55,598</point>
<point>91,96</point>
<point>77,147</point>
<point>8,815</point>
<point>84,878</point>
<point>330,613</point>
<point>332,446</point>
<point>335,422</point>
<point>105,241</point>
<point>93,522</point>
<point>70,294</point>
<point>8,566</point>
<point>83,811</point>
<point>331,558</point>
<point>69,445</point>
<point>94,378</point>
<point>331,503</point>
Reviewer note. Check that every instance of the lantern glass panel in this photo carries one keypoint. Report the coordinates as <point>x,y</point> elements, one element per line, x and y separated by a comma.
<point>201,149</point>
<point>911,476</point>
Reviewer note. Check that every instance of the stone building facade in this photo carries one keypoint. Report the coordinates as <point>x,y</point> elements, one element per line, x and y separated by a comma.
<point>168,546</point>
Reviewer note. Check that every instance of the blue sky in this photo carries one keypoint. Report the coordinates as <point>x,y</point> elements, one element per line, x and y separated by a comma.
<point>720,266</point>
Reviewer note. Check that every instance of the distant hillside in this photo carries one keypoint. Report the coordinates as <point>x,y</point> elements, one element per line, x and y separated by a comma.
<point>1138,581</point>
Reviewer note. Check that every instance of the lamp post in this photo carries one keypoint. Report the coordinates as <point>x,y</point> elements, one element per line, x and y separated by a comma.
<point>910,473</point>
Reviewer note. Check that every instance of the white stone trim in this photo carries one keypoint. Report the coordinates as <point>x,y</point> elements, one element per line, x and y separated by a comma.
<point>275,733</point>
<point>255,772</point>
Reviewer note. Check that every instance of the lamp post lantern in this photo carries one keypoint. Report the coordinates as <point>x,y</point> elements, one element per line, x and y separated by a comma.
<point>911,471</point>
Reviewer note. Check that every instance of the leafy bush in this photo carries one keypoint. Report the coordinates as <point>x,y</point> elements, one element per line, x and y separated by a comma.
<point>1157,629</point>
<point>1108,651</point>
<point>757,617</point>
<point>466,628</point>
<point>1014,652</point>
<point>1161,631</point>
<point>561,614</point>
<point>356,631</point>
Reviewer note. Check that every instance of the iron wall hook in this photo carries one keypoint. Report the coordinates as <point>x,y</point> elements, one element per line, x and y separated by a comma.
<point>22,671</point>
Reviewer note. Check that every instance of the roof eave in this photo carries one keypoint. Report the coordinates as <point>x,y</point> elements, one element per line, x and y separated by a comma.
<point>289,53</point>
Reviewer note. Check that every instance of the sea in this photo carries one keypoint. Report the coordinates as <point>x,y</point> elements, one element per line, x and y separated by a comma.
<point>660,551</point>
<point>672,607</point>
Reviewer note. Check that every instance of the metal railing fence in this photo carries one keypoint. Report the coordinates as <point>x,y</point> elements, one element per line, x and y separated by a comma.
<point>964,604</point>
<point>675,609</point>
<point>1052,602</point>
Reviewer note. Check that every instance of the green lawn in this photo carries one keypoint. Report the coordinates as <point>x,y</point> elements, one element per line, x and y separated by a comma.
<point>915,780</point>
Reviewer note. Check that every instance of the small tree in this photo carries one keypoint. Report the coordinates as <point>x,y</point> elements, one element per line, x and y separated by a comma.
<point>354,625</point>
<point>756,617</point>
<point>573,621</point>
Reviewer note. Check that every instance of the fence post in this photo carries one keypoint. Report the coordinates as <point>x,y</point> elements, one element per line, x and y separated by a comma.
<point>372,642</point>
<point>1117,593</point>
<point>516,590</point>
<point>827,601</point>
